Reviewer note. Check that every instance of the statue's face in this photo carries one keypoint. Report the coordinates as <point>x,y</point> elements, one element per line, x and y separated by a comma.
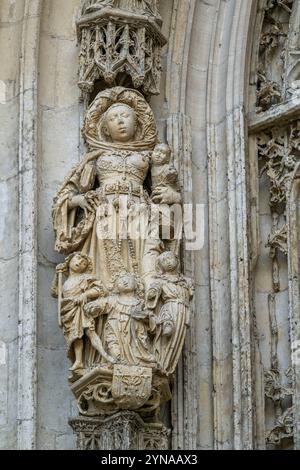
<point>126,284</point>
<point>78,264</point>
<point>121,123</point>
<point>160,155</point>
<point>168,262</point>
<point>168,328</point>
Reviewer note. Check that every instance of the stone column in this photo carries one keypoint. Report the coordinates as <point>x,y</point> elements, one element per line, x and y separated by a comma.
<point>27,334</point>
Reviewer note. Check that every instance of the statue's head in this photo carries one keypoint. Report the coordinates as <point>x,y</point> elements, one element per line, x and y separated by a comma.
<point>120,118</point>
<point>79,263</point>
<point>168,328</point>
<point>126,283</point>
<point>161,154</point>
<point>168,262</point>
<point>120,123</point>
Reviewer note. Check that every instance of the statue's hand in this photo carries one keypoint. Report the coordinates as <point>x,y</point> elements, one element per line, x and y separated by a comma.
<point>92,308</point>
<point>141,314</point>
<point>80,300</point>
<point>80,201</point>
<point>61,268</point>
<point>165,195</point>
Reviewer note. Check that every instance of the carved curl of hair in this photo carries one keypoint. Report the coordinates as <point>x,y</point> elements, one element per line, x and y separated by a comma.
<point>163,255</point>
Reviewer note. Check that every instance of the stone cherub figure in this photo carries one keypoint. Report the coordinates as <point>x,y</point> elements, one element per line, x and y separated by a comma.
<point>79,288</point>
<point>163,173</point>
<point>170,297</point>
<point>163,177</point>
<point>126,330</point>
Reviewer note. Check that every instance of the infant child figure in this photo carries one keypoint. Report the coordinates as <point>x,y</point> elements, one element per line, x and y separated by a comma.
<point>163,173</point>
<point>80,288</point>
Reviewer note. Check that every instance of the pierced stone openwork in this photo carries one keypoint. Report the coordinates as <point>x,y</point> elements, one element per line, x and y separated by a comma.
<point>119,42</point>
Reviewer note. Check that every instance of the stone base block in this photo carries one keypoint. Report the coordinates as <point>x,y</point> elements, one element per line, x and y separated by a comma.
<point>122,431</point>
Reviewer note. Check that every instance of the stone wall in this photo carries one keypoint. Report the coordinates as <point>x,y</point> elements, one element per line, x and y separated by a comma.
<point>219,392</point>
<point>11,14</point>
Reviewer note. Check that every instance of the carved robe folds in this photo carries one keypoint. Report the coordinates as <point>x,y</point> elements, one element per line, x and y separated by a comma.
<point>123,305</point>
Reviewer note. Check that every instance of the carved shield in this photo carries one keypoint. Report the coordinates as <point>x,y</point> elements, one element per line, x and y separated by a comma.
<point>131,386</point>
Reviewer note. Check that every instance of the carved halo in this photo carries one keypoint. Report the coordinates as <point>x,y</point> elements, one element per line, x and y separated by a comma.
<point>93,129</point>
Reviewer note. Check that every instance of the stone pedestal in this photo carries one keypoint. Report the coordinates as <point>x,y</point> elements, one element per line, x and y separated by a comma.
<point>122,431</point>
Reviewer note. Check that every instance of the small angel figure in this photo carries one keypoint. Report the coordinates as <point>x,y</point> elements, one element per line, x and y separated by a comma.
<point>163,173</point>
<point>169,296</point>
<point>128,324</point>
<point>79,288</point>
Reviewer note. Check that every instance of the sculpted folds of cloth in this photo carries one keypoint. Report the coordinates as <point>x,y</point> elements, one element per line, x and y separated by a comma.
<point>123,304</point>
<point>140,6</point>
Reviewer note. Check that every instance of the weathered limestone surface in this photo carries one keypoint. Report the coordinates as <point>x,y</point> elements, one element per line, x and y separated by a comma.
<point>205,83</point>
<point>123,431</point>
<point>11,14</point>
<point>57,107</point>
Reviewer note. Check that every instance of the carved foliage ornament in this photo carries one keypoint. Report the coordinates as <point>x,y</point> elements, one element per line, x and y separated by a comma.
<point>284,428</point>
<point>278,71</point>
<point>279,152</point>
<point>278,74</point>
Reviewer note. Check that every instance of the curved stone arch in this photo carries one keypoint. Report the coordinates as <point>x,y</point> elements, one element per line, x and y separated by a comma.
<point>228,186</point>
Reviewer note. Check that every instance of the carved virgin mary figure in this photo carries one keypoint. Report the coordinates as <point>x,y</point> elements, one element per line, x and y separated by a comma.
<point>121,133</point>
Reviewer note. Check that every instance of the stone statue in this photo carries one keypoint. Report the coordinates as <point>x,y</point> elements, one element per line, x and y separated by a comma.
<point>124,344</point>
<point>79,288</point>
<point>163,174</point>
<point>138,6</point>
<point>170,296</point>
<point>121,132</point>
<point>126,328</point>
<point>90,6</point>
